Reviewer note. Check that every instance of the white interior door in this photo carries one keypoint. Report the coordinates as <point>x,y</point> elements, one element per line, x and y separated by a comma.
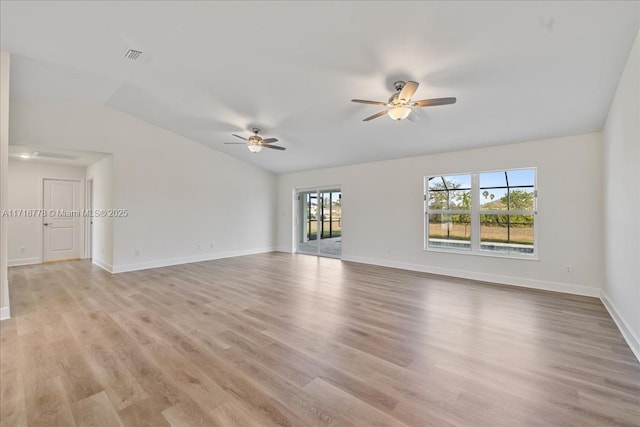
<point>62,227</point>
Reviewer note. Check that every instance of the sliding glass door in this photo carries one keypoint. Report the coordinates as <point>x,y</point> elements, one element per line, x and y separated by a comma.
<point>308,222</point>
<point>319,222</point>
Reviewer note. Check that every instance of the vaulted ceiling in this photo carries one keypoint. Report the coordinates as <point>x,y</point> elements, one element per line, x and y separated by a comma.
<point>520,70</point>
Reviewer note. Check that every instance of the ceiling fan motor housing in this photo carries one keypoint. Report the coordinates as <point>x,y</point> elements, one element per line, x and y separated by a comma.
<point>399,85</point>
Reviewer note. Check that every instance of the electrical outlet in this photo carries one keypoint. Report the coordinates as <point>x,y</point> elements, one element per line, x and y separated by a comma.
<point>22,250</point>
<point>199,247</point>
<point>211,245</point>
<point>137,252</point>
<point>568,269</point>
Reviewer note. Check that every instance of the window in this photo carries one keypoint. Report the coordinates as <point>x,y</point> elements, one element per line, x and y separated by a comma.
<point>449,211</point>
<point>489,213</point>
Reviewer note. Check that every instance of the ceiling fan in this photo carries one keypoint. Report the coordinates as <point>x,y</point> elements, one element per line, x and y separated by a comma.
<point>256,143</point>
<point>400,104</point>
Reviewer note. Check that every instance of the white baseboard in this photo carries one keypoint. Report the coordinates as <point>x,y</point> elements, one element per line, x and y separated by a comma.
<point>484,277</point>
<point>5,313</point>
<point>282,249</point>
<point>628,335</point>
<point>23,261</point>
<point>186,260</point>
<point>103,265</point>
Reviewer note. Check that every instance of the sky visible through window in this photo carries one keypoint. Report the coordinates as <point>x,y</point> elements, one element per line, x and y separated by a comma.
<point>497,179</point>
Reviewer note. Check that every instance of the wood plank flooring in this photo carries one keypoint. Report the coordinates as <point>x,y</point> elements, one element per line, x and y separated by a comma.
<point>292,340</point>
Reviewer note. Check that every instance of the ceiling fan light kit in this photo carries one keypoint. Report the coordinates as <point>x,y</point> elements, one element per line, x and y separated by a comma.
<point>400,105</point>
<point>399,112</point>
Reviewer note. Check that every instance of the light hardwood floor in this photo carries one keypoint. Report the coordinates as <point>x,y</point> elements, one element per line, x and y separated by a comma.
<point>280,339</point>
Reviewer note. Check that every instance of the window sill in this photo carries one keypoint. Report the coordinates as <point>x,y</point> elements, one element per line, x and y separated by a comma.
<point>533,257</point>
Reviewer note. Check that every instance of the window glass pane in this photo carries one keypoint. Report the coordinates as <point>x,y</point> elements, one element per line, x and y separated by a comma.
<point>493,199</point>
<point>310,231</point>
<point>330,215</point>
<point>459,181</point>
<point>520,177</point>
<point>438,200</point>
<point>492,179</point>
<point>499,193</point>
<point>450,182</point>
<point>507,234</point>
<point>508,199</point>
<point>450,192</point>
<point>520,199</point>
<point>450,231</point>
<point>460,199</point>
<point>453,200</point>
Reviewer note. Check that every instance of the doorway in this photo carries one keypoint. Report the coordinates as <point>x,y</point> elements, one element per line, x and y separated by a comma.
<point>319,222</point>
<point>62,226</point>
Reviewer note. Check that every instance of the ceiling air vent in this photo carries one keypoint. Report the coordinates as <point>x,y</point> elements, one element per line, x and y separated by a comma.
<point>54,156</point>
<point>132,54</point>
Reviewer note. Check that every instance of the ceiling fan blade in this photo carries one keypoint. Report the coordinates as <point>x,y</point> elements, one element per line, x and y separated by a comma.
<point>269,140</point>
<point>235,143</point>
<point>408,90</point>
<point>238,136</point>
<point>375,116</point>
<point>364,101</point>
<point>434,101</point>
<point>275,147</point>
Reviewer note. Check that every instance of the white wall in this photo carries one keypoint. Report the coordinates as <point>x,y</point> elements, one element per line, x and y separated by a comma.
<point>4,152</point>
<point>179,194</point>
<point>621,137</point>
<point>383,213</point>
<point>101,173</point>
<point>25,192</point>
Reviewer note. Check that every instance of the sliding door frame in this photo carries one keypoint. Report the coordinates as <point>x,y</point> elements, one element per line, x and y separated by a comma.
<point>297,226</point>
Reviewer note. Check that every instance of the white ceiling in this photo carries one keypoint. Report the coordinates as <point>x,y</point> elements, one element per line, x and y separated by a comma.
<point>520,70</point>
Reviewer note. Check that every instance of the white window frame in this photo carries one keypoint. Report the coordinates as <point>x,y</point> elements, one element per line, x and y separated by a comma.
<point>475,217</point>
